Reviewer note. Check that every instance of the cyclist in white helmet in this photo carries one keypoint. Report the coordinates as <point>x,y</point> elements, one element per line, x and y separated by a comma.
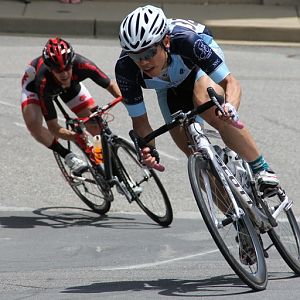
<point>180,59</point>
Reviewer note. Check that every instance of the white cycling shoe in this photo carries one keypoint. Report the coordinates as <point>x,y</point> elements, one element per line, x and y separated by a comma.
<point>266,179</point>
<point>137,189</point>
<point>76,165</point>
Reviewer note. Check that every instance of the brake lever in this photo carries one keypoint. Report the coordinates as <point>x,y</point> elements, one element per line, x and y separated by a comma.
<point>76,125</point>
<point>138,144</point>
<point>213,97</point>
<point>216,99</point>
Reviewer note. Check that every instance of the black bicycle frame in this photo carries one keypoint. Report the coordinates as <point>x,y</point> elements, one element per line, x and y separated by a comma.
<point>106,136</point>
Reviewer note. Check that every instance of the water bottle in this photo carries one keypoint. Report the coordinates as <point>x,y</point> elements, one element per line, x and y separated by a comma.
<point>97,149</point>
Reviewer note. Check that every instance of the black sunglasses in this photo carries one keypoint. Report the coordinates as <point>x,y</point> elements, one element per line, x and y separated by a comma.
<point>58,70</point>
<point>145,54</point>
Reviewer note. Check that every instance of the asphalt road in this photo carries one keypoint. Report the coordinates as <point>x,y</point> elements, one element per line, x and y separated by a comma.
<point>52,248</point>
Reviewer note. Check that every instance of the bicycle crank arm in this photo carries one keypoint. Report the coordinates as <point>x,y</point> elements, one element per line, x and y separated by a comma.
<point>121,188</point>
<point>81,180</point>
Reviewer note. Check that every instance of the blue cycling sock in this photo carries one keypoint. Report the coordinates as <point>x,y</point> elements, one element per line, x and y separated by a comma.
<point>258,165</point>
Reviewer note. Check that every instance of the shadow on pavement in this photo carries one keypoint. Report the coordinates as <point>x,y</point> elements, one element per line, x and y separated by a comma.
<point>208,287</point>
<point>215,286</point>
<point>63,217</point>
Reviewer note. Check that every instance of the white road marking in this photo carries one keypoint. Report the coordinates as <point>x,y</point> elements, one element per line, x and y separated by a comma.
<point>15,208</point>
<point>9,104</point>
<point>20,124</point>
<point>162,153</point>
<point>62,119</point>
<point>141,266</point>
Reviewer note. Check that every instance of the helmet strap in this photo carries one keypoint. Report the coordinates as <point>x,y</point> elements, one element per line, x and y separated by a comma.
<point>167,49</point>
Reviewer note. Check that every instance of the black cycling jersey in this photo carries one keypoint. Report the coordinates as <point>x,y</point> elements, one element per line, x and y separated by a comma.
<point>48,88</point>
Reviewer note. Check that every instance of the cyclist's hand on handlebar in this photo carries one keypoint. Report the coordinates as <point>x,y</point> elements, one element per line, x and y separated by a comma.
<point>230,112</point>
<point>147,155</point>
<point>80,139</point>
<point>226,111</point>
<point>230,115</point>
<point>150,159</point>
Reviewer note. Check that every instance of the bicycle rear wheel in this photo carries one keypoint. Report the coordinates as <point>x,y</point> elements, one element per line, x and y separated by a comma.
<point>286,235</point>
<point>143,184</point>
<point>91,187</point>
<point>234,235</point>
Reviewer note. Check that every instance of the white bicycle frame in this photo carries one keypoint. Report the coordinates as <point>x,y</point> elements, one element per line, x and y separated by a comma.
<point>200,143</point>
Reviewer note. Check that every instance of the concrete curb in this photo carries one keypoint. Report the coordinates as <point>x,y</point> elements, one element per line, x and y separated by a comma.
<point>239,22</point>
<point>256,33</point>
<point>100,28</point>
<point>52,27</point>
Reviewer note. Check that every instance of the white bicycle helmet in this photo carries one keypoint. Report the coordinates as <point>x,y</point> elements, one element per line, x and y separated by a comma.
<point>143,28</point>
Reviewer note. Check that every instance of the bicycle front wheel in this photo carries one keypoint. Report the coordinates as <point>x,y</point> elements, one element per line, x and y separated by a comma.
<point>90,187</point>
<point>286,235</point>
<point>233,233</point>
<point>143,184</point>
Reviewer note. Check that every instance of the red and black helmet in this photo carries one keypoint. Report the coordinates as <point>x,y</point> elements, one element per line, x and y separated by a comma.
<point>58,54</point>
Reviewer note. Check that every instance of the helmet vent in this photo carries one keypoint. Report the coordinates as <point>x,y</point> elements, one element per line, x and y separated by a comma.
<point>137,24</point>
<point>142,32</point>
<point>146,19</point>
<point>160,29</point>
<point>153,23</point>
<point>129,27</point>
<point>134,46</point>
<point>126,38</point>
<point>146,43</point>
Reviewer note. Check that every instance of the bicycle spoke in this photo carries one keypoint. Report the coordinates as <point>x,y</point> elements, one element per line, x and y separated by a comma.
<point>143,184</point>
<point>88,186</point>
<point>286,235</point>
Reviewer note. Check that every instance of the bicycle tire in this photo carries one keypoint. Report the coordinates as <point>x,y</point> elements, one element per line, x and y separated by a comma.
<point>93,191</point>
<point>227,236</point>
<point>286,235</point>
<point>152,198</point>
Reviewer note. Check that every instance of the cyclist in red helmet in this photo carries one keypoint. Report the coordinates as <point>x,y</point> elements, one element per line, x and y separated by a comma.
<point>59,72</point>
<point>58,54</point>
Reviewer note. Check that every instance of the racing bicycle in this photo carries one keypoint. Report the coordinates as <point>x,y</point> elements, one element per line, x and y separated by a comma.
<point>235,214</point>
<point>119,168</point>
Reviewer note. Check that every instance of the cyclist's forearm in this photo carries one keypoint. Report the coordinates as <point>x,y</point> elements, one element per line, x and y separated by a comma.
<point>66,134</point>
<point>232,90</point>
<point>142,127</point>
<point>114,89</point>
<point>61,132</point>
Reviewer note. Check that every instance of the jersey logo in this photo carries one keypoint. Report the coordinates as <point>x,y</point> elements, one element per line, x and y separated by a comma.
<point>216,63</point>
<point>82,98</point>
<point>201,50</point>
